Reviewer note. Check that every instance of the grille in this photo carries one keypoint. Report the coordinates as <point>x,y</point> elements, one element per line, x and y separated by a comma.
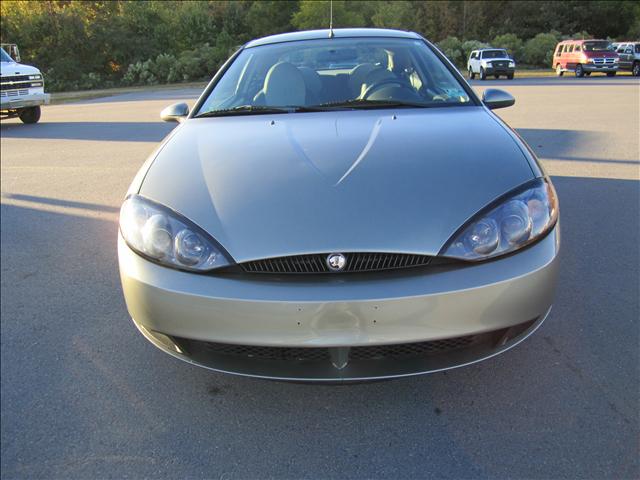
<point>269,353</point>
<point>19,81</point>
<point>316,263</point>
<point>15,93</point>
<point>313,354</point>
<point>600,61</point>
<point>409,350</point>
<point>14,78</point>
<point>499,64</point>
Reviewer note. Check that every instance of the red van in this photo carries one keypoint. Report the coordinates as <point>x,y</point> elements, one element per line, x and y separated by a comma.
<point>584,57</point>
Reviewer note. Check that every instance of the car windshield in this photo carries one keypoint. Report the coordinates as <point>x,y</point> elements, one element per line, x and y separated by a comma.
<point>334,73</point>
<point>4,56</point>
<point>494,54</point>
<point>597,46</point>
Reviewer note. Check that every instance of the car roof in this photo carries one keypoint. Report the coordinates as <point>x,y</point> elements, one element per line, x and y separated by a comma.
<point>489,48</point>
<point>585,40</point>
<point>337,33</point>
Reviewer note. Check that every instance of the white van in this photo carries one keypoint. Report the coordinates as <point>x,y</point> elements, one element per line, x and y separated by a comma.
<point>21,87</point>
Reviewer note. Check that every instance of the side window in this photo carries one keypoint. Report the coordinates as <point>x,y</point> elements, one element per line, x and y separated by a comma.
<point>620,48</point>
<point>559,50</point>
<point>637,47</point>
<point>571,48</point>
<point>578,48</point>
<point>630,49</point>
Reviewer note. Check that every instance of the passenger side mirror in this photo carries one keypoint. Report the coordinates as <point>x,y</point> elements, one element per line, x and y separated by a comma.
<point>494,98</point>
<point>177,112</point>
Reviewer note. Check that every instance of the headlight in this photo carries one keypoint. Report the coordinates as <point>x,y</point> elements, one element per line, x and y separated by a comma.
<point>616,60</point>
<point>35,77</point>
<point>512,64</point>
<point>166,237</point>
<point>517,219</point>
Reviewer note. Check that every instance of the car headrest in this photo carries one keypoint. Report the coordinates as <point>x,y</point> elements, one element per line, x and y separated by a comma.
<point>312,79</point>
<point>284,86</point>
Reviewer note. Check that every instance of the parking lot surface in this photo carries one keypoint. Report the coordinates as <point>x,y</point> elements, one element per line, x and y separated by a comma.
<point>84,395</point>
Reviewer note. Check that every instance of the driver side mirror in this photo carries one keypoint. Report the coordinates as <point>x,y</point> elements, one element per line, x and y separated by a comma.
<point>494,98</point>
<point>177,112</point>
<point>14,53</point>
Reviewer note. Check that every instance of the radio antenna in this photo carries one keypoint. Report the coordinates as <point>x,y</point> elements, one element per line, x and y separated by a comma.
<point>330,18</point>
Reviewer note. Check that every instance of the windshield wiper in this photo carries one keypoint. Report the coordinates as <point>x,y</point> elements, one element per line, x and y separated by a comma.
<point>356,103</point>
<point>256,110</point>
<point>243,110</point>
<point>365,104</point>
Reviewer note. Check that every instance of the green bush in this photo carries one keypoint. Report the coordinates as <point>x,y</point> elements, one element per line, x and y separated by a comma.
<point>452,48</point>
<point>125,41</point>
<point>162,66</point>
<point>511,43</point>
<point>470,45</point>
<point>190,65</point>
<point>52,81</point>
<point>90,81</point>
<point>539,50</point>
<point>577,36</point>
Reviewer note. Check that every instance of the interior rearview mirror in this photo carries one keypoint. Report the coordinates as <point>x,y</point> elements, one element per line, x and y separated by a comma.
<point>494,98</point>
<point>177,112</point>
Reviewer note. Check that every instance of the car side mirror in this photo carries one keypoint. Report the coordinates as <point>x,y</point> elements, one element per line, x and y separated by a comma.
<point>14,53</point>
<point>177,112</point>
<point>494,98</point>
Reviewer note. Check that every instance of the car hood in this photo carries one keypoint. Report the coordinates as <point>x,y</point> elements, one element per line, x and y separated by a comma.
<point>378,181</point>
<point>9,69</point>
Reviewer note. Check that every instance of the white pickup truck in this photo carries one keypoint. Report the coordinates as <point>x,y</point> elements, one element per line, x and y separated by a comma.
<point>21,87</point>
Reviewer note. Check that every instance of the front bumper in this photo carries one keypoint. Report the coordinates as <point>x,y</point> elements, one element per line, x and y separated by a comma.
<point>500,70</point>
<point>592,67</point>
<point>496,303</point>
<point>24,101</point>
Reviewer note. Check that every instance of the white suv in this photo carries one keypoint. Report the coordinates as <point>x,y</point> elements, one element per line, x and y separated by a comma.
<point>490,61</point>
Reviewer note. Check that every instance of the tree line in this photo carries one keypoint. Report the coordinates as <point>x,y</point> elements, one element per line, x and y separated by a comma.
<point>90,44</point>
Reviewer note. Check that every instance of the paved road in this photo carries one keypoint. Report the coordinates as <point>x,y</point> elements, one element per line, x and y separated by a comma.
<point>85,396</point>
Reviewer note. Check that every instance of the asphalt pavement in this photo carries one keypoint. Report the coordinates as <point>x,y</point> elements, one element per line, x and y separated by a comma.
<point>84,395</point>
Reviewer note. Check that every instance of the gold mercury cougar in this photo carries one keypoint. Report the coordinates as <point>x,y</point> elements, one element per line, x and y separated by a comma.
<point>339,206</point>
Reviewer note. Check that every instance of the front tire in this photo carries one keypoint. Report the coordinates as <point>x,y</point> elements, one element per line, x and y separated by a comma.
<point>510,76</point>
<point>559,71</point>
<point>579,71</point>
<point>611,74</point>
<point>636,69</point>
<point>30,115</point>
<point>471,74</point>
<point>483,74</point>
